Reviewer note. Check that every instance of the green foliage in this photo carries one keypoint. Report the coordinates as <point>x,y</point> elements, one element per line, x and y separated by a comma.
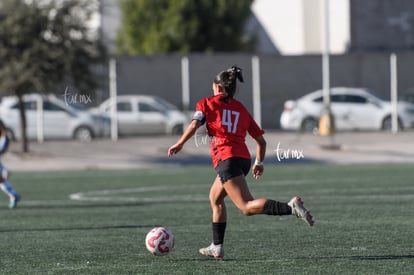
<point>159,26</point>
<point>43,44</point>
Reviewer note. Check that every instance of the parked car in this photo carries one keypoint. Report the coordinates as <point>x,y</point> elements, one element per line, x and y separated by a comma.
<point>408,96</point>
<point>352,108</point>
<point>60,120</point>
<point>144,114</point>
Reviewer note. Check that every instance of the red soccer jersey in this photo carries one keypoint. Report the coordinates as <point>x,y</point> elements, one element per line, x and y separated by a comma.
<point>227,125</point>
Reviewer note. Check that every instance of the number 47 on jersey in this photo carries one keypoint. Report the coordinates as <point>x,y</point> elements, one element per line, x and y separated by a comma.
<point>230,119</point>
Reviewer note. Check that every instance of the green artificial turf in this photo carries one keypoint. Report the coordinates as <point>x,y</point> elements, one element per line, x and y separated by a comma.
<point>95,222</point>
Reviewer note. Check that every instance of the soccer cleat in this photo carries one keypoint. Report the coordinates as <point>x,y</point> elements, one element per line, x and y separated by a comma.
<point>14,201</point>
<point>213,251</point>
<point>300,211</point>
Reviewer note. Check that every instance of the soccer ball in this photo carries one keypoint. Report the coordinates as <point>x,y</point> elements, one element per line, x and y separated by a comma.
<point>159,241</point>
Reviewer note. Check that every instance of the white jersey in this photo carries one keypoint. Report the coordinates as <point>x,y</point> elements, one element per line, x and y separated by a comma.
<point>4,144</point>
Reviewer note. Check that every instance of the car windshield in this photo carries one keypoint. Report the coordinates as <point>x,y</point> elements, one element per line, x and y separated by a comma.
<point>78,107</point>
<point>166,105</point>
<point>408,97</point>
<point>73,104</point>
<point>377,96</point>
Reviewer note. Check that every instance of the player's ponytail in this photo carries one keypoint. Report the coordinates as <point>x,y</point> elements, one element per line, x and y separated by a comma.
<point>227,79</point>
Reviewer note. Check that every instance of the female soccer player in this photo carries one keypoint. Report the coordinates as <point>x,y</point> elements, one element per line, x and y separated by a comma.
<point>4,183</point>
<point>227,122</point>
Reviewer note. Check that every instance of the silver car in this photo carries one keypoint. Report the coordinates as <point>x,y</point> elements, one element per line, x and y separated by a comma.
<point>353,109</point>
<point>57,119</point>
<point>144,114</point>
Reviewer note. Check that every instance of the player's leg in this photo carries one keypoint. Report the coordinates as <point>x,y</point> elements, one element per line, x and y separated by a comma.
<point>7,188</point>
<point>219,213</point>
<point>299,210</point>
<point>238,191</point>
<point>217,195</point>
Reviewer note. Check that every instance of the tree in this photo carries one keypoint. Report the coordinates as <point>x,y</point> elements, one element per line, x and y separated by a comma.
<point>160,26</point>
<point>43,44</point>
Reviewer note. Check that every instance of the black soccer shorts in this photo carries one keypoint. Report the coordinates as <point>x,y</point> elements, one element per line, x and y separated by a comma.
<point>233,167</point>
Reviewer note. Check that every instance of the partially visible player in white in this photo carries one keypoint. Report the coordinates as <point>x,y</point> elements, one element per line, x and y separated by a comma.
<point>4,183</point>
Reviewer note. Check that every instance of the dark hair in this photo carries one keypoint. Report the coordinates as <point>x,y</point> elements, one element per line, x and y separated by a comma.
<point>227,79</point>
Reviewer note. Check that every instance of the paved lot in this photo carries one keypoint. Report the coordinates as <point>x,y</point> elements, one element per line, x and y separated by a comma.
<point>283,148</point>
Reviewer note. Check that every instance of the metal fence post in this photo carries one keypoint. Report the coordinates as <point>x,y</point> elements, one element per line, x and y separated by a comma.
<point>257,113</point>
<point>394,93</point>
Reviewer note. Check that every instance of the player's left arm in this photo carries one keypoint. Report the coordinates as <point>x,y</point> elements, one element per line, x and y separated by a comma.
<point>258,167</point>
<point>188,133</point>
<point>257,134</point>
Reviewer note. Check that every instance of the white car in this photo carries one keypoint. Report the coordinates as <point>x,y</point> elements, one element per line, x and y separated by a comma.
<point>144,114</point>
<point>59,119</point>
<point>352,109</point>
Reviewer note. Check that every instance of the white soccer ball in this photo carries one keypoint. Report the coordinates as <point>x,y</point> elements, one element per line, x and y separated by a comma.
<point>159,241</point>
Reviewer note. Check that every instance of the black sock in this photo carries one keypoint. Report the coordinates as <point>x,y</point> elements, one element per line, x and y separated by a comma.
<point>276,208</point>
<point>218,232</point>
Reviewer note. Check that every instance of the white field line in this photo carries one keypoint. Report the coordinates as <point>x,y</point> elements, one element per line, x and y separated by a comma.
<point>143,193</point>
<point>110,195</point>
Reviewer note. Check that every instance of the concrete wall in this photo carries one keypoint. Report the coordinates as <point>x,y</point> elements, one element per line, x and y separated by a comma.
<point>281,77</point>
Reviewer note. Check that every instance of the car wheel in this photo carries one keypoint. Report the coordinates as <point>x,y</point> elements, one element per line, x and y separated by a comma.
<point>387,124</point>
<point>309,125</point>
<point>177,130</point>
<point>83,134</point>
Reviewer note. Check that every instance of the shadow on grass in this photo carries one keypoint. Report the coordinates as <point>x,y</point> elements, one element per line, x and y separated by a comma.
<point>206,160</point>
<point>48,205</point>
<point>365,258</point>
<point>69,205</point>
<point>381,257</point>
<point>356,258</point>
<point>106,227</point>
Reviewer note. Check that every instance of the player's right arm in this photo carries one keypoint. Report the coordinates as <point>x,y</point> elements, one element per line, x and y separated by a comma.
<point>199,119</point>
<point>188,133</point>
